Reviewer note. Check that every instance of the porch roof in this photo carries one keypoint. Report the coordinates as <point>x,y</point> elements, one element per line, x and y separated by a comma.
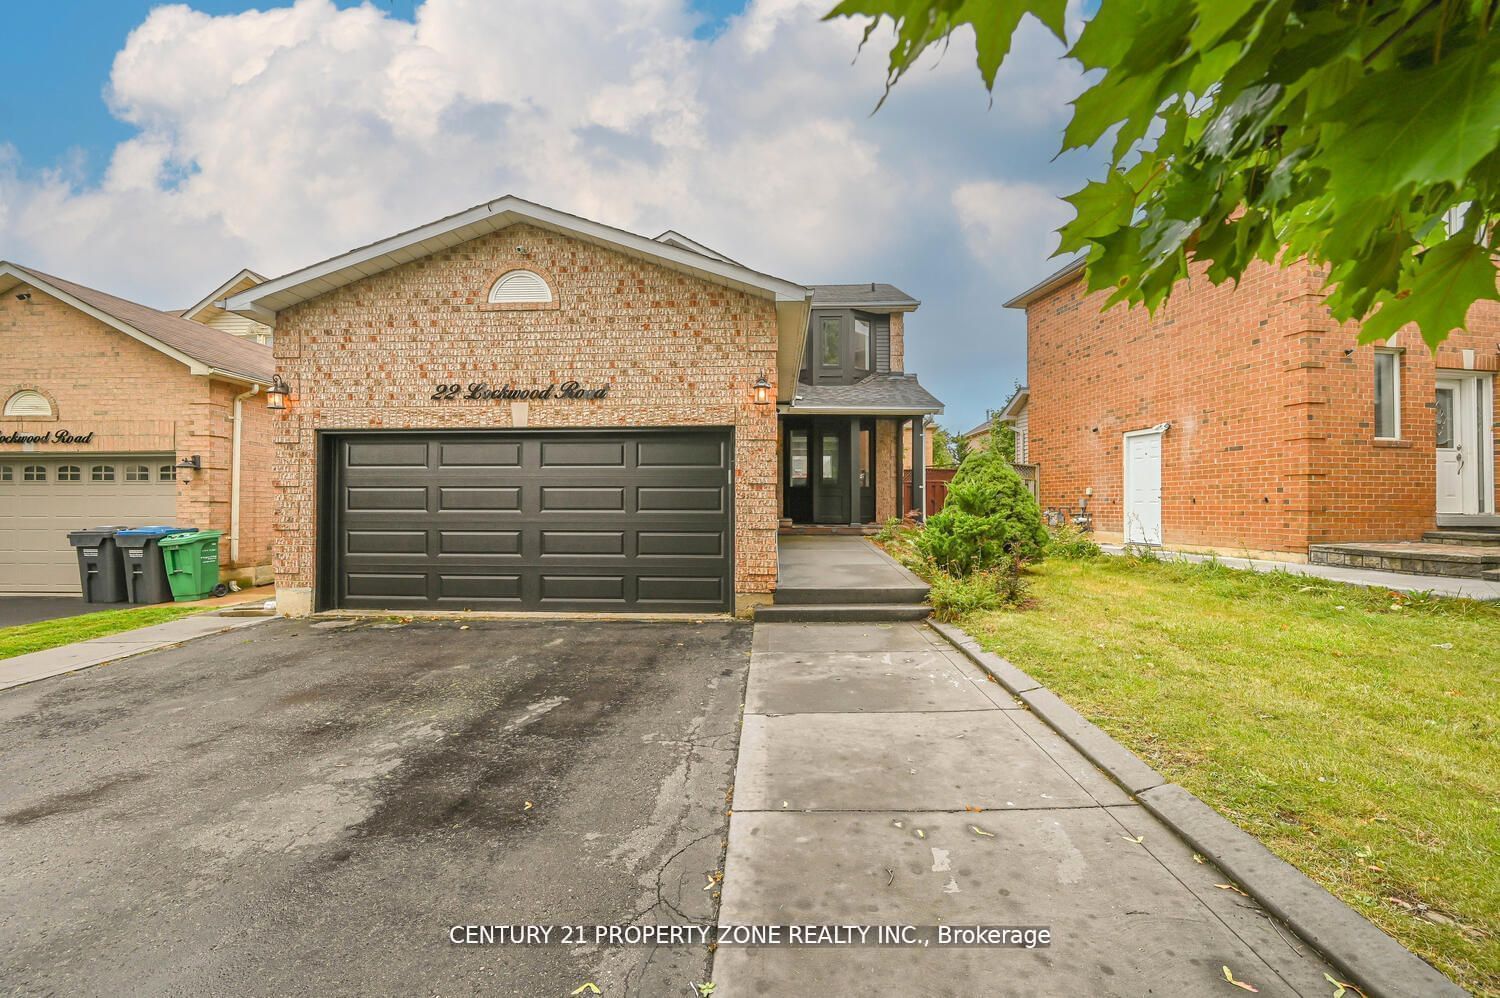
<point>877,395</point>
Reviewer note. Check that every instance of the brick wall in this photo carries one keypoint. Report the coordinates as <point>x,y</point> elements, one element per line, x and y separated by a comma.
<point>674,350</point>
<point>134,399</point>
<point>1272,442</point>
<point>885,468</point>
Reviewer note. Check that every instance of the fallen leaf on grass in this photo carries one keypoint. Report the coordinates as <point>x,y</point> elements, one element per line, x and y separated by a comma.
<point>1240,984</point>
<point>1445,645</point>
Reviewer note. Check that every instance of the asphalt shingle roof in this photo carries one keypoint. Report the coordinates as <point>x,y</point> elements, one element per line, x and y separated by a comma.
<point>877,393</point>
<point>217,349</point>
<point>833,295</point>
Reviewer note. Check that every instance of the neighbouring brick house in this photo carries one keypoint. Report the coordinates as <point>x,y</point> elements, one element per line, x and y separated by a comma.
<point>514,408</point>
<point>1245,419</point>
<point>104,405</point>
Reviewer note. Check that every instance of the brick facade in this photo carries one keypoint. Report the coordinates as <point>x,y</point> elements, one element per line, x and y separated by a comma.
<point>675,350</point>
<point>136,399</point>
<point>1272,444</point>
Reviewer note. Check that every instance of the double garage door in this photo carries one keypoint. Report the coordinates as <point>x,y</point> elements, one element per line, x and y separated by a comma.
<point>43,498</point>
<point>530,520</point>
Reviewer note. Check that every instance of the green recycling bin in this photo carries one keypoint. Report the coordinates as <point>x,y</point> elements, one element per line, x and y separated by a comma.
<point>192,562</point>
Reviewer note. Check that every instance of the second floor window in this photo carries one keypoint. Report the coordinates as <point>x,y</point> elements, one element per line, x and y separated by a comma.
<point>830,341</point>
<point>861,344</point>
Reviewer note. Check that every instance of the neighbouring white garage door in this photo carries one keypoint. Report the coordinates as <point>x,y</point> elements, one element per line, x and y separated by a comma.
<point>42,498</point>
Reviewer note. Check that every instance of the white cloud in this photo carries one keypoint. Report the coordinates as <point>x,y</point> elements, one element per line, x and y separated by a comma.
<point>275,138</point>
<point>1011,227</point>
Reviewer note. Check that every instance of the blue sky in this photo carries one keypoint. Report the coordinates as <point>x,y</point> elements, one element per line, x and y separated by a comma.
<point>219,138</point>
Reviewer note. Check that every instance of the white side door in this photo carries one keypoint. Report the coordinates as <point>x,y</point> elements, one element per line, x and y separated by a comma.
<point>1143,487</point>
<point>1462,420</point>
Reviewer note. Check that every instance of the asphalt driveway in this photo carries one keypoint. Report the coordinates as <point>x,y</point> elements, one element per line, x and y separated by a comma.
<point>15,610</point>
<point>301,808</point>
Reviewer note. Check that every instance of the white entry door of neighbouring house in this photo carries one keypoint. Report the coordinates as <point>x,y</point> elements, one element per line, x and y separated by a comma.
<point>1143,487</point>
<point>1465,443</point>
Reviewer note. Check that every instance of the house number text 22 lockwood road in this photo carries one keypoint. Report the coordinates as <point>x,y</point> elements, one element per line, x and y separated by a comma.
<point>479,391</point>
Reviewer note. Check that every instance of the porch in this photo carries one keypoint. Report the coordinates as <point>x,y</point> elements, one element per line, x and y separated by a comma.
<point>841,578</point>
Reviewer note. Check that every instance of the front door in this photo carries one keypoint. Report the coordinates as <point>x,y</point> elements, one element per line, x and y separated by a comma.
<point>831,466</point>
<point>1143,487</point>
<point>1464,443</point>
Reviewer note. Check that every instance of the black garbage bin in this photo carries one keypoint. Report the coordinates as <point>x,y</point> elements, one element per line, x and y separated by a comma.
<point>101,573</point>
<point>145,572</point>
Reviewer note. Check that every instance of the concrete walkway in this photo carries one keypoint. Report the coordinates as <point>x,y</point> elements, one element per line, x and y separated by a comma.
<point>839,563</point>
<point>883,779</point>
<point>1401,582</point>
<point>24,669</point>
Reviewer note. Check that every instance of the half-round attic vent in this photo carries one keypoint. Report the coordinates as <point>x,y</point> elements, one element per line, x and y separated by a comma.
<point>520,287</point>
<point>28,403</point>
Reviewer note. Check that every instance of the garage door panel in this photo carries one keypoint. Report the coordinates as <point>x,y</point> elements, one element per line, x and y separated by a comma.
<point>405,500</point>
<point>682,453</point>
<point>479,542</point>
<point>583,588</point>
<point>573,498</point>
<point>579,520</point>
<point>386,455</point>
<point>590,543</point>
<point>679,589</point>
<point>471,497</point>
<point>453,586</point>
<point>496,454</point>
<point>575,454</point>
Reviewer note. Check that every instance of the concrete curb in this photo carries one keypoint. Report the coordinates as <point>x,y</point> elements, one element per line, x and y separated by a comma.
<point>1382,967</point>
<point>33,667</point>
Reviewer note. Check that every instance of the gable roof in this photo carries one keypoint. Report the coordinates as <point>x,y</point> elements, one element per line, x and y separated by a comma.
<point>674,238</point>
<point>243,281</point>
<point>887,297</point>
<point>203,349</point>
<point>1064,275</point>
<point>263,302</point>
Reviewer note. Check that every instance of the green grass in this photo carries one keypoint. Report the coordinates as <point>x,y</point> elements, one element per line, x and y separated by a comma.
<point>1355,732</point>
<point>53,633</point>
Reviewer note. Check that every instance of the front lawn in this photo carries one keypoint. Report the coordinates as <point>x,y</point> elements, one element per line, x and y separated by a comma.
<point>52,633</point>
<point>1355,732</point>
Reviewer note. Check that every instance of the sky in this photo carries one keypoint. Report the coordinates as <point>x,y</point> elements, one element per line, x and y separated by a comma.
<point>153,150</point>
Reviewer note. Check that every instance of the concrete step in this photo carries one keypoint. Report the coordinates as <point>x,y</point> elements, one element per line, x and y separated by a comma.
<point>1452,560</point>
<point>840,612</point>
<point>1463,535</point>
<point>803,596</point>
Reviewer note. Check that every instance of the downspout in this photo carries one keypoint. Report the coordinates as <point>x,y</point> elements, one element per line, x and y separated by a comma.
<point>234,477</point>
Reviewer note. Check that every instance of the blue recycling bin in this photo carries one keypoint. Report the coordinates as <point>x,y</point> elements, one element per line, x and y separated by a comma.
<point>145,571</point>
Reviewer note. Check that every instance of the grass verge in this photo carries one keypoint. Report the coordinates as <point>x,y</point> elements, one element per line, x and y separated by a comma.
<point>1356,732</point>
<point>26,638</point>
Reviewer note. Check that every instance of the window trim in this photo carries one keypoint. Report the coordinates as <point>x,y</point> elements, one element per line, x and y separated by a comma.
<point>1395,354</point>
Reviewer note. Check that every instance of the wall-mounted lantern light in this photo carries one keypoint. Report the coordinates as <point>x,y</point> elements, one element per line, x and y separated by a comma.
<point>276,395</point>
<point>188,467</point>
<point>762,389</point>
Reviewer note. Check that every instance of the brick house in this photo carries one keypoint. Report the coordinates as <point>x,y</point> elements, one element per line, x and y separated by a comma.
<point>115,413</point>
<point>1245,419</point>
<point>514,408</point>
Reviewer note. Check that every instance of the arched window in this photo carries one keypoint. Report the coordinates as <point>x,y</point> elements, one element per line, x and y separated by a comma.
<point>520,287</point>
<point>70,473</point>
<point>28,403</point>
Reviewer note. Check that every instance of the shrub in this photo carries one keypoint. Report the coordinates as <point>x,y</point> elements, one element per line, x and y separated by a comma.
<point>1072,543</point>
<point>889,530</point>
<point>988,520</point>
<point>952,598</point>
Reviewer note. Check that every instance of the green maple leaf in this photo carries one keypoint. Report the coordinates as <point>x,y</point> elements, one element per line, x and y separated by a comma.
<point>1450,277</point>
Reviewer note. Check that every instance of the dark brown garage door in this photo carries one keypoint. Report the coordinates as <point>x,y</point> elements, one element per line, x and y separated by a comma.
<point>544,520</point>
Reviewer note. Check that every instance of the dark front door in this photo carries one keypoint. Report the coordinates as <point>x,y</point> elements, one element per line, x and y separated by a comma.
<point>531,520</point>
<point>831,471</point>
